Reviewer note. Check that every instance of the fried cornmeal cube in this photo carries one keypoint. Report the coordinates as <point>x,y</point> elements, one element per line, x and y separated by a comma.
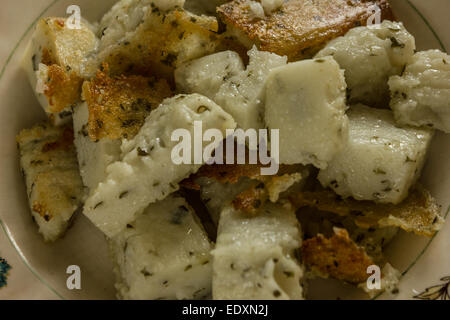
<point>255,255</point>
<point>154,37</point>
<point>305,101</point>
<point>297,29</point>
<point>222,78</point>
<point>421,95</point>
<point>56,61</point>
<point>164,254</point>
<point>370,55</point>
<point>381,161</point>
<point>50,168</point>
<point>147,172</point>
<point>115,108</point>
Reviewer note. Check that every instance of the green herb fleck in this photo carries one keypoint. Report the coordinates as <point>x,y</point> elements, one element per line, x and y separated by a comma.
<point>202,109</point>
<point>169,60</point>
<point>396,43</point>
<point>98,205</point>
<point>379,171</point>
<point>146,273</point>
<point>188,267</point>
<point>179,214</point>
<point>141,152</point>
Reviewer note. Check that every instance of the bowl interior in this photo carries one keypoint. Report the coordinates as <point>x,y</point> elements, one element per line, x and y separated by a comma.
<point>86,247</point>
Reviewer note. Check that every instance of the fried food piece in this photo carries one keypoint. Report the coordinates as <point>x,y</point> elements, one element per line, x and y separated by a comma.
<point>56,61</point>
<point>119,105</point>
<point>160,43</point>
<point>50,168</point>
<point>263,187</point>
<point>115,108</point>
<point>147,171</point>
<point>421,95</point>
<point>381,161</point>
<point>419,213</point>
<point>200,7</point>
<point>369,57</point>
<point>227,173</point>
<point>269,188</point>
<point>337,257</point>
<point>300,27</point>
<point>61,88</point>
<point>305,101</point>
<point>255,257</point>
<point>164,254</point>
<point>242,185</point>
<point>222,78</point>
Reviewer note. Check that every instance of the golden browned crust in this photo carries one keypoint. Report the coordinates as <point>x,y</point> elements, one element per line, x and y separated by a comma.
<point>118,106</point>
<point>42,210</point>
<point>62,88</point>
<point>48,158</point>
<point>337,257</point>
<point>55,193</point>
<point>159,44</point>
<point>64,142</point>
<point>228,173</point>
<point>250,200</point>
<point>300,27</point>
<point>224,173</point>
<point>47,58</point>
<point>419,213</point>
<point>53,139</point>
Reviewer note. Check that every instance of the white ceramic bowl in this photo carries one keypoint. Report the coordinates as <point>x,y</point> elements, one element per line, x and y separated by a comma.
<point>423,261</point>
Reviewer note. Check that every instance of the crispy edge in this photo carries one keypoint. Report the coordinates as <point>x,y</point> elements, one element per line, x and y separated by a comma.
<point>118,106</point>
<point>337,257</point>
<point>62,142</point>
<point>281,33</point>
<point>158,49</point>
<point>265,188</point>
<point>419,213</point>
<point>250,200</point>
<point>63,89</point>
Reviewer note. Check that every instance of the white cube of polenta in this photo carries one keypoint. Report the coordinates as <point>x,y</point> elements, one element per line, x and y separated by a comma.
<point>55,42</point>
<point>216,195</point>
<point>115,108</point>
<point>381,160</point>
<point>146,172</point>
<point>206,75</point>
<point>54,187</point>
<point>421,95</point>
<point>242,96</point>
<point>305,101</point>
<point>56,60</point>
<point>164,254</point>
<point>370,55</point>
<point>126,15</point>
<point>255,257</point>
<point>93,157</point>
<point>223,78</point>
